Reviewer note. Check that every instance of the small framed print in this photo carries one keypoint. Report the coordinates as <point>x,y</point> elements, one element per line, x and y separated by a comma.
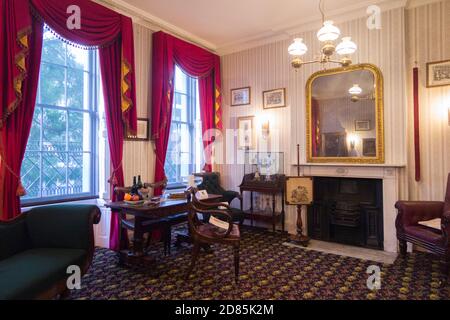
<point>362,125</point>
<point>240,96</point>
<point>246,133</point>
<point>142,132</point>
<point>438,74</point>
<point>274,98</point>
<point>369,147</point>
<point>299,190</point>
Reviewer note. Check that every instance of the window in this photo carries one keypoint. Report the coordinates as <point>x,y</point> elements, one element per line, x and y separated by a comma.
<point>60,159</point>
<point>185,149</point>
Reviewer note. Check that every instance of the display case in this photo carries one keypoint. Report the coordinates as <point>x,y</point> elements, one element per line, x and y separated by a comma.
<point>265,163</point>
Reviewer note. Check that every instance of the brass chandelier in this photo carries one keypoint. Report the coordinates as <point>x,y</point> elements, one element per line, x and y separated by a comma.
<point>327,34</point>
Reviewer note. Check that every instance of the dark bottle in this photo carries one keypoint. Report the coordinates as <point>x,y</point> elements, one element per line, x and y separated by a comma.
<point>139,184</point>
<point>134,186</point>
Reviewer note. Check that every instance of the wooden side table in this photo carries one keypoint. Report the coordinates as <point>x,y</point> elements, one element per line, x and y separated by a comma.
<point>275,186</point>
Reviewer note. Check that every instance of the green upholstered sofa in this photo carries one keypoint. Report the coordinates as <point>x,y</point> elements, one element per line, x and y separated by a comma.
<point>37,247</point>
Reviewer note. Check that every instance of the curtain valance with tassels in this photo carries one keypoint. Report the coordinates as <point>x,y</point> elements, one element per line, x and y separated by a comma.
<point>99,27</point>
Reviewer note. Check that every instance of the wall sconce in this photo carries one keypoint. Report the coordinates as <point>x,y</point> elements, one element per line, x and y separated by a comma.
<point>265,129</point>
<point>353,140</point>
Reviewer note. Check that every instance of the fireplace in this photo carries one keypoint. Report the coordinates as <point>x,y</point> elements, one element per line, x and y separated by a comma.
<point>347,210</point>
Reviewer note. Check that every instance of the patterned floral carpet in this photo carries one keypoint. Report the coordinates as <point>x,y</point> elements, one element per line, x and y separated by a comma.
<point>269,270</point>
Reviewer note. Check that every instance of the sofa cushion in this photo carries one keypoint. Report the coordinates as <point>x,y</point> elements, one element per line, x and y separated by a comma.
<point>13,238</point>
<point>60,226</point>
<point>25,275</point>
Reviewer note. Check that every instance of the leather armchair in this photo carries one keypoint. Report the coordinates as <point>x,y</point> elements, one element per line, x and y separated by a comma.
<point>211,183</point>
<point>410,213</point>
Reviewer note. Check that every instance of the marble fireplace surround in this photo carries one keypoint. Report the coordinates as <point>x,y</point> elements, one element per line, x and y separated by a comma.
<point>389,174</point>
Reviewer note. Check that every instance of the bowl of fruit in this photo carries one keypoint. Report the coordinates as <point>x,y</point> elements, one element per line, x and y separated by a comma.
<point>132,199</point>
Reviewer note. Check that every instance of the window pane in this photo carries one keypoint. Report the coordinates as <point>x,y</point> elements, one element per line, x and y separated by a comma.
<point>31,174</point>
<point>79,173</point>
<point>60,152</point>
<point>54,130</point>
<point>180,110</point>
<point>77,88</point>
<point>184,138</point>
<point>180,80</point>
<point>185,145</point>
<point>51,82</point>
<point>34,140</point>
<point>77,58</point>
<point>53,49</point>
<point>53,174</point>
<point>79,131</point>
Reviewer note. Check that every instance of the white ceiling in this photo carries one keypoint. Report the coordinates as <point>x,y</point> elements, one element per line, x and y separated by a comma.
<point>221,24</point>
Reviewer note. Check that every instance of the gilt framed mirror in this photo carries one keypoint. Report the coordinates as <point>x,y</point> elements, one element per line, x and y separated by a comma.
<point>344,114</point>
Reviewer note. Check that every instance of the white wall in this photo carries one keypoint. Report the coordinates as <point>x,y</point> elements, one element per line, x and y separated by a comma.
<point>268,67</point>
<point>428,39</point>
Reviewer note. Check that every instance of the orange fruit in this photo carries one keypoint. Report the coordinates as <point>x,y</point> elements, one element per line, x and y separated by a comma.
<point>127,197</point>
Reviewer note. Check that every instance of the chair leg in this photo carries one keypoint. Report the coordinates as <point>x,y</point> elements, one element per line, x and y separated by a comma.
<point>236,263</point>
<point>195,253</point>
<point>167,240</point>
<point>403,247</point>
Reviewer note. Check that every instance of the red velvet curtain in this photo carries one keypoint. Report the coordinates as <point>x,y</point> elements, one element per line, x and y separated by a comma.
<point>100,28</point>
<point>23,47</point>
<point>110,67</point>
<point>197,62</point>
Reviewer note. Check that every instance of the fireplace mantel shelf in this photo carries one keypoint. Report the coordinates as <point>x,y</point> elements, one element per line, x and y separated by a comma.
<point>364,165</point>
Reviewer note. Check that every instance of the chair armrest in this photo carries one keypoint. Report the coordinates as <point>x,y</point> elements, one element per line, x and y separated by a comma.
<point>222,214</point>
<point>63,226</point>
<point>206,205</point>
<point>411,212</point>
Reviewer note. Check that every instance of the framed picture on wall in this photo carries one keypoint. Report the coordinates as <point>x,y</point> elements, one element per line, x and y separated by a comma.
<point>240,96</point>
<point>362,125</point>
<point>299,190</point>
<point>246,133</point>
<point>142,133</point>
<point>274,98</point>
<point>369,147</point>
<point>438,74</point>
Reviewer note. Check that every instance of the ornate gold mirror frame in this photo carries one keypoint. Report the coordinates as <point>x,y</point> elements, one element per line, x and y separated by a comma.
<point>379,157</point>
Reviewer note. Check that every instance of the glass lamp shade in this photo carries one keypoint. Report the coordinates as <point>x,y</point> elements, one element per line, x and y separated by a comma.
<point>347,46</point>
<point>297,48</point>
<point>328,32</point>
<point>355,90</point>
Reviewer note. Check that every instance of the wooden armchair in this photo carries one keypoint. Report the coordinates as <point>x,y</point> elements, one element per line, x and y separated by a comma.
<point>206,233</point>
<point>410,213</point>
